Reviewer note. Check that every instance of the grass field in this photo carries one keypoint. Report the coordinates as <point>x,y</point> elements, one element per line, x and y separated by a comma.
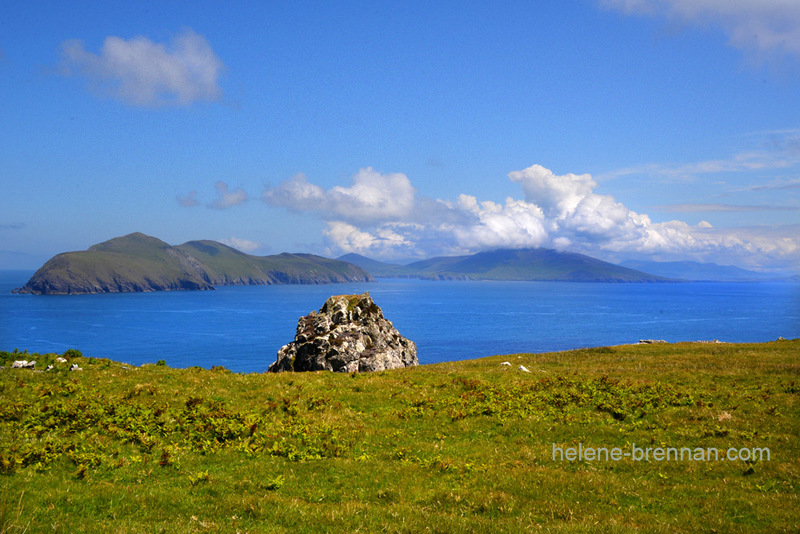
<point>454,447</point>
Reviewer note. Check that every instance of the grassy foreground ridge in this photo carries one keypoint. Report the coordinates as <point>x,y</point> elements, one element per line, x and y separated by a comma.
<point>453,447</point>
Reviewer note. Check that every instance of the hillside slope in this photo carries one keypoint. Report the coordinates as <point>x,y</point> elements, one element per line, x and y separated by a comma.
<point>697,272</point>
<point>512,264</point>
<point>376,268</point>
<point>467,446</point>
<point>138,263</point>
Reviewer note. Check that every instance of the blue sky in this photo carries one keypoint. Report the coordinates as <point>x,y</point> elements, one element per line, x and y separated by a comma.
<point>657,129</point>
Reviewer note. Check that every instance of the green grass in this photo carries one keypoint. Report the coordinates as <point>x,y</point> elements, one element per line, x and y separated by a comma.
<point>455,447</point>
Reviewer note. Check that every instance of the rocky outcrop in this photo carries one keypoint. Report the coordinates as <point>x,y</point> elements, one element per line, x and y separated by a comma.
<point>348,334</point>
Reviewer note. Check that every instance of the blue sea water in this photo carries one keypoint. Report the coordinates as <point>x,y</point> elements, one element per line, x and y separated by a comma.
<point>242,328</point>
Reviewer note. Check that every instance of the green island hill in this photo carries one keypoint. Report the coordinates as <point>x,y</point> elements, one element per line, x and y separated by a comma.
<point>469,446</point>
<point>530,264</point>
<point>137,263</point>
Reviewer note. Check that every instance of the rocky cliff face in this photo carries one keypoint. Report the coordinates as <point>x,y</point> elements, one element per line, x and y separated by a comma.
<point>75,274</point>
<point>348,334</point>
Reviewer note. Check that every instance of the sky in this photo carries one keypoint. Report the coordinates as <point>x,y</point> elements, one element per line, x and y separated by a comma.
<point>623,129</point>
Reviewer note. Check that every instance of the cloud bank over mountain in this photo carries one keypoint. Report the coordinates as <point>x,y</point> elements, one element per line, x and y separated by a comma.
<point>381,215</point>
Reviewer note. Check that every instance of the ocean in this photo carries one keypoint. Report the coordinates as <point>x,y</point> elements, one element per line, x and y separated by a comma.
<point>242,328</point>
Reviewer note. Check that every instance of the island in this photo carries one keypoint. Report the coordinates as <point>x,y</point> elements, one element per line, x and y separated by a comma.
<point>528,264</point>
<point>141,263</point>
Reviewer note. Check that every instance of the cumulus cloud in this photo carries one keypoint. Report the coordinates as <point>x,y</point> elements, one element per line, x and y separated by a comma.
<point>145,73</point>
<point>758,26</point>
<point>383,241</point>
<point>516,224</point>
<point>372,196</point>
<point>748,247</point>
<point>558,211</point>
<point>576,214</point>
<point>188,200</point>
<point>241,244</point>
<point>227,198</point>
<point>296,193</point>
<point>558,195</point>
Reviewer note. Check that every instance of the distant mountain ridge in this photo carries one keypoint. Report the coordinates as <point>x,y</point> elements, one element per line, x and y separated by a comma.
<point>376,268</point>
<point>537,264</point>
<point>139,263</point>
<point>701,272</point>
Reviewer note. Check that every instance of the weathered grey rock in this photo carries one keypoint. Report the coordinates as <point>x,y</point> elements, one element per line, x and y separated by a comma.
<point>23,364</point>
<point>348,334</point>
<point>651,341</point>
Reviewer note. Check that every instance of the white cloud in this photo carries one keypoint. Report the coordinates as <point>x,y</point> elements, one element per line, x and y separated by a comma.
<point>774,186</point>
<point>145,73</point>
<point>757,26</point>
<point>517,224</point>
<point>557,195</point>
<point>227,198</point>
<point>189,200</point>
<point>700,207</point>
<point>373,196</point>
<point>296,193</point>
<point>748,161</point>
<point>241,244</point>
<point>749,247</point>
<point>576,213</point>
<point>379,215</point>
<point>349,238</point>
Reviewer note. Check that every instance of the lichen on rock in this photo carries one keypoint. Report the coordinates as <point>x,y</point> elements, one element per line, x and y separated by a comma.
<point>348,334</point>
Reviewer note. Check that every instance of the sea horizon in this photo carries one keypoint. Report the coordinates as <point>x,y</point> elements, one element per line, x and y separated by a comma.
<point>242,327</point>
